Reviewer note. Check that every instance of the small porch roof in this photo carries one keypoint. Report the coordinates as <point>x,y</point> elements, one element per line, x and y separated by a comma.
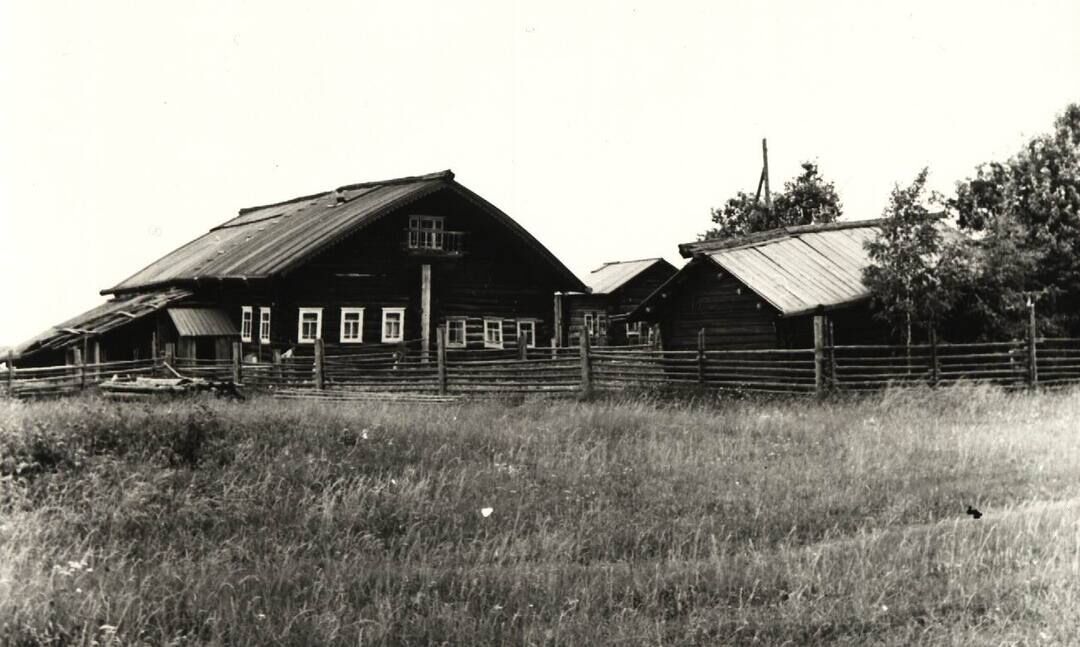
<point>202,322</point>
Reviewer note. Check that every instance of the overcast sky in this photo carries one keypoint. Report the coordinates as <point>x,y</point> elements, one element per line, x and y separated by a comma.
<point>608,129</point>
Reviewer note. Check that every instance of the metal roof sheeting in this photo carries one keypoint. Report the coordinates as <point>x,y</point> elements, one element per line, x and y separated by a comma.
<point>799,272</point>
<point>612,276</point>
<point>105,317</point>
<point>202,322</point>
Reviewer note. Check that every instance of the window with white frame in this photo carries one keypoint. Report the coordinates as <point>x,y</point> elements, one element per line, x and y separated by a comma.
<point>310,325</point>
<point>633,332</point>
<point>455,333</point>
<point>426,232</point>
<point>590,324</point>
<point>526,333</point>
<point>493,333</point>
<point>245,323</point>
<point>352,325</point>
<point>264,325</point>
<point>393,325</point>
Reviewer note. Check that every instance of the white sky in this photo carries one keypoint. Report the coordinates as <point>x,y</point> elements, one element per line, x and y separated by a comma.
<point>608,129</point>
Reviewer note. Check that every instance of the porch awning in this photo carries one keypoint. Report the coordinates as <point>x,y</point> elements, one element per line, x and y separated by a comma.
<point>202,322</point>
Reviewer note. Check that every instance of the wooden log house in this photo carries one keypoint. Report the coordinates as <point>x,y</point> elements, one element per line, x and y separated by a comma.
<point>614,289</point>
<point>369,264</point>
<point>763,291</point>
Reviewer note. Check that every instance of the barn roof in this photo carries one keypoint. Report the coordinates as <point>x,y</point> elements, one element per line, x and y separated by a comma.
<point>272,239</point>
<point>105,317</point>
<point>797,270</point>
<point>611,276</point>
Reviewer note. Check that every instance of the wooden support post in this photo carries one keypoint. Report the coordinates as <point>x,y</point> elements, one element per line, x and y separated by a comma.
<point>425,310</point>
<point>170,354</point>
<point>1033,367</point>
<point>96,347</point>
<point>82,361</point>
<point>554,349</point>
<point>237,351</point>
<point>440,356</point>
<point>558,341</point>
<point>319,357</point>
<point>586,368</point>
<point>80,366</point>
<point>701,357</point>
<point>935,367</point>
<point>819,354</point>
<point>154,359</point>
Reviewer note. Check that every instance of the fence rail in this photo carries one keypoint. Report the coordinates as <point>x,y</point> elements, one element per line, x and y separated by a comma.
<point>454,372</point>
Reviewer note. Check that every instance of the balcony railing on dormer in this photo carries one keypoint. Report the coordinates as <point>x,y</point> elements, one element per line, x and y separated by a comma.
<point>435,241</point>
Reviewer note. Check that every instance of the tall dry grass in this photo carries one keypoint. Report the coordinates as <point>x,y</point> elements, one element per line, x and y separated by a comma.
<point>614,522</point>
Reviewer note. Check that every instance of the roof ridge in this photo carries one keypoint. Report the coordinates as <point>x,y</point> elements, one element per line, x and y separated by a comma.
<point>769,235</point>
<point>440,175</point>
<point>636,260</point>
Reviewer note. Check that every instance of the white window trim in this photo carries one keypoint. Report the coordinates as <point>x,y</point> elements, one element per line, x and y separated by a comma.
<point>487,344</point>
<point>247,316</point>
<point>266,339</point>
<point>300,325</point>
<point>464,332</point>
<point>393,340</point>
<point>531,323</point>
<point>360,330</point>
<point>589,324</point>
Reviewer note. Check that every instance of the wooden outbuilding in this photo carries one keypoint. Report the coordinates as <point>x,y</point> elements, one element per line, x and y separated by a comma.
<point>763,291</point>
<point>614,290</point>
<point>370,264</point>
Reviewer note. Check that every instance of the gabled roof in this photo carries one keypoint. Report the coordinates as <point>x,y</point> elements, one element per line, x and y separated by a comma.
<point>611,276</point>
<point>105,317</point>
<point>273,239</point>
<point>797,270</point>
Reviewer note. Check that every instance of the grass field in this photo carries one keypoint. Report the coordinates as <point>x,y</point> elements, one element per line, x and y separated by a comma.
<point>613,522</point>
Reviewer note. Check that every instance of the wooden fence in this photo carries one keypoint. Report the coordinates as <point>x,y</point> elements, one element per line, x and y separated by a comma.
<point>585,370</point>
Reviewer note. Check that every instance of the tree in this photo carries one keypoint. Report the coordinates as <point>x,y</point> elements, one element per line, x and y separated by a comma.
<point>807,199</point>
<point>1024,215</point>
<point>903,277</point>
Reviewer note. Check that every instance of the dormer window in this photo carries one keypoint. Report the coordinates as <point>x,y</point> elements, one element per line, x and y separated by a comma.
<point>426,232</point>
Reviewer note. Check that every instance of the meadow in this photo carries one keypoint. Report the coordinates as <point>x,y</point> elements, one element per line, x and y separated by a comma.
<point>623,521</point>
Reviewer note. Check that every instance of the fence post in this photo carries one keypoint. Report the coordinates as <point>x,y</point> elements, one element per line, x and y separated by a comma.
<point>237,349</point>
<point>554,349</point>
<point>834,379</point>
<point>819,354</point>
<point>586,368</point>
<point>701,357</point>
<point>319,363</point>
<point>1033,367</point>
<point>11,372</point>
<point>440,356</point>
<point>275,357</point>
<point>170,354</point>
<point>82,362</point>
<point>935,368</point>
<point>523,350</point>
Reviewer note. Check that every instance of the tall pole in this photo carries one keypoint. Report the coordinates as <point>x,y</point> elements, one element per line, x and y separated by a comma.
<point>765,173</point>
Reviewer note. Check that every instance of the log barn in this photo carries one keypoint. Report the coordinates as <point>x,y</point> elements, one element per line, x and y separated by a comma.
<point>368,264</point>
<point>763,291</point>
<point>614,290</point>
